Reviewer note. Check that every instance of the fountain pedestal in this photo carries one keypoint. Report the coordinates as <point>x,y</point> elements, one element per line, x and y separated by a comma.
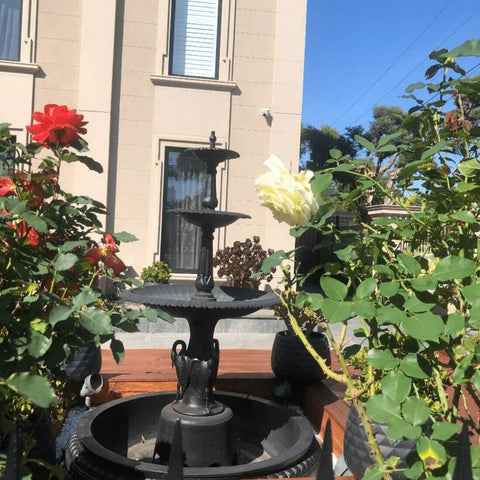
<point>207,441</point>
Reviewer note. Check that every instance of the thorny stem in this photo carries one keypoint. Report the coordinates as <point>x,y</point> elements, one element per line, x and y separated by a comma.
<point>346,379</point>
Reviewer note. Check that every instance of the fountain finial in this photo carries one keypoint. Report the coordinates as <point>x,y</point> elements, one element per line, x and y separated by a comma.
<point>213,140</point>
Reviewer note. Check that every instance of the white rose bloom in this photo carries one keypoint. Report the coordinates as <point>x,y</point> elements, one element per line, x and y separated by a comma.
<point>289,196</point>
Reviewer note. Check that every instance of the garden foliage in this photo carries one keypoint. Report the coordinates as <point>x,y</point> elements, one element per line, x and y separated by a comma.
<point>414,283</point>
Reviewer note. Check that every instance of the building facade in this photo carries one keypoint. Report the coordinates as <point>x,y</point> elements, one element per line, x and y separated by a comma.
<point>152,78</point>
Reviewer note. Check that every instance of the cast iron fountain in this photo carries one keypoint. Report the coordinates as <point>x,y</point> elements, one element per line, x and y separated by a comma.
<point>225,435</point>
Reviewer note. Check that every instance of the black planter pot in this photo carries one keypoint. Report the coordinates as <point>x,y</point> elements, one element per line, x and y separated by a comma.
<point>291,360</point>
<point>86,360</point>
<point>356,450</point>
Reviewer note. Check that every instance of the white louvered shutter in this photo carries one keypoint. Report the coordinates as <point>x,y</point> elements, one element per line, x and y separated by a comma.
<point>195,38</point>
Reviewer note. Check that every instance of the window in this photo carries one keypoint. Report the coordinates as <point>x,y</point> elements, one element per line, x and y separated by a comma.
<point>184,186</point>
<point>195,38</point>
<point>10,29</point>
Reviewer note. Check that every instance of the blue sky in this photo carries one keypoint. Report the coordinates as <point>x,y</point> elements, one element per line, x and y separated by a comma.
<point>362,53</point>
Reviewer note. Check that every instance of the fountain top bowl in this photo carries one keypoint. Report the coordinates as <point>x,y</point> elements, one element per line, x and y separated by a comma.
<point>211,155</point>
<point>177,300</point>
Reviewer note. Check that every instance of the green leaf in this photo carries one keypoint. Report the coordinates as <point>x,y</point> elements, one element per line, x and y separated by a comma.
<point>474,320</point>
<point>364,309</point>
<point>90,163</point>
<point>96,321</point>
<point>463,187</point>
<point>468,167</point>
<point>453,267</point>
<point>389,289</point>
<point>415,471</point>
<point>472,293</point>
<point>373,472</point>
<point>439,146</point>
<point>71,245</point>
<point>150,314</point>
<point>383,270</point>
<point>381,408</point>
<point>366,288</point>
<point>336,312</point>
<point>124,237</point>
<point>365,143</point>
<point>85,297</point>
<point>333,288</point>
<point>345,254</point>
<point>65,261</point>
<point>38,344</point>
<point>415,411</point>
<point>409,264</point>
<point>411,367</point>
<point>415,86</point>
<point>321,182</point>
<point>59,314</point>
<point>273,260</point>
<point>165,316</point>
<point>455,323</point>
<point>389,148</point>
<point>464,216</point>
<point>396,386</point>
<point>415,305</point>
<point>422,284</point>
<point>118,350</point>
<point>431,452</point>
<point>335,154</point>
<point>424,326</point>
<point>34,387</point>
<point>381,359</point>
<point>444,431</point>
<point>470,48</point>
<point>476,380</point>
<point>463,371</point>
<point>399,429</point>
<point>390,315</point>
<point>35,221</point>
<point>315,301</point>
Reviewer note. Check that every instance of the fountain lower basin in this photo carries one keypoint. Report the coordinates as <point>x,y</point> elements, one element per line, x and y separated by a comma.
<point>116,441</point>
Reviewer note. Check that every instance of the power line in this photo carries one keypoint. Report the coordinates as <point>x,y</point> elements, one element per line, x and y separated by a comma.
<point>418,65</point>
<point>393,64</point>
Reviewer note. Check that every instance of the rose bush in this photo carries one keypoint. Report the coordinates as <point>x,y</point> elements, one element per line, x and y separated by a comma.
<point>412,283</point>
<point>289,196</point>
<point>50,263</point>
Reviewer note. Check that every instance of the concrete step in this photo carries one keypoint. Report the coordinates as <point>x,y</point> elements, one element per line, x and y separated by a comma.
<point>260,322</point>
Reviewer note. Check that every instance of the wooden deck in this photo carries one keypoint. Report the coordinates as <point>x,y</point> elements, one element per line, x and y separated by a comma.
<point>244,371</point>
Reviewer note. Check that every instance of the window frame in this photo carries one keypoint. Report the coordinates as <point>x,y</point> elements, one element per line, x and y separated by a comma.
<point>171,30</point>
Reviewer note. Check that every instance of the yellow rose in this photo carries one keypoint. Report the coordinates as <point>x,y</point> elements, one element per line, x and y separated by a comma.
<point>289,196</point>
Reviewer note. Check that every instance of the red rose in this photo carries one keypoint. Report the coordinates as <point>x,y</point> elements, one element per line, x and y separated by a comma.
<point>106,254</point>
<point>6,186</point>
<point>31,236</point>
<point>57,125</point>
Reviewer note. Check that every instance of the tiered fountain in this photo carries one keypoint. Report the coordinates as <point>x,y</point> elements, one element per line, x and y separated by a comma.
<point>225,435</point>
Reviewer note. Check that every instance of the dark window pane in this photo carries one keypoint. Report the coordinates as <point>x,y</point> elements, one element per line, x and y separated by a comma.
<point>184,187</point>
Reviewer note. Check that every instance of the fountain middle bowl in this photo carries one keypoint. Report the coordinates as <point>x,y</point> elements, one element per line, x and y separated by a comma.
<point>116,440</point>
<point>178,300</point>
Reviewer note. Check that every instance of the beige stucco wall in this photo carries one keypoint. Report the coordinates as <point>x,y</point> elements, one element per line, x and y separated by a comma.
<point>109,59</point>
